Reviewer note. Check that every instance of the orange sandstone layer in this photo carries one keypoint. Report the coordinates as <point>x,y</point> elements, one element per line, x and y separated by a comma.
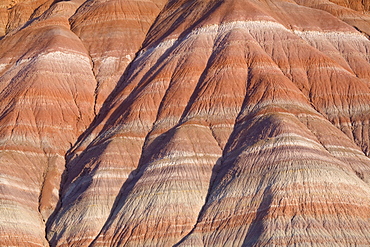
<point>45,105</point>
<point>187,123</point>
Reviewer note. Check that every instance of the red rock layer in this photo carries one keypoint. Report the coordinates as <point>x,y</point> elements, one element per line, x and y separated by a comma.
<point>122,29</point>
<point>234,123</point>
<point>4,15</point>
<point>355,13</point>
<point>46,103</point>
<point>15,13</point>
<point>237,95</point>
<point>112,32</point>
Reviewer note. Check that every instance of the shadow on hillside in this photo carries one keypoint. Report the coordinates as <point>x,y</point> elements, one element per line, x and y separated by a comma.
<point>112,113</point>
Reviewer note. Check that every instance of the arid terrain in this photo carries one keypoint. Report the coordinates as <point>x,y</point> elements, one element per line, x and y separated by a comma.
<point>184,123</point>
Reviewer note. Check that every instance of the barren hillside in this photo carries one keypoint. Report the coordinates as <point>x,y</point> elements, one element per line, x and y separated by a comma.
<point>184,123</point>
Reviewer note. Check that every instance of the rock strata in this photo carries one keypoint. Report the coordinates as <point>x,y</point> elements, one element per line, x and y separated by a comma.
<point>185,123</point>
<point>45,105</point>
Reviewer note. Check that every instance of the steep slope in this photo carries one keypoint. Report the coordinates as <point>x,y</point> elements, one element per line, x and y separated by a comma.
<point>112,32</point>
<point>258,65</point>
<point>274,166</point>
<point>16,13</point>
<point>130,24</point>
<point>46,102</point>
<point>186,123</point>
<point>355,13</point>
<point>49,85</point>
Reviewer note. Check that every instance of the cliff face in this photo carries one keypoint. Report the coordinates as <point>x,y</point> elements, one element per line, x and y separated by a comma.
<point>187,123</point>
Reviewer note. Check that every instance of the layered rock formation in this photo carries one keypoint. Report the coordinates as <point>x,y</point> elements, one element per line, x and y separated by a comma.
<point>45,105</point>
<point>185,123</point>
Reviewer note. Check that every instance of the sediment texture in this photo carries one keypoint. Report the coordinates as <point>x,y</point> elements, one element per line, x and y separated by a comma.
<point>185,123</point>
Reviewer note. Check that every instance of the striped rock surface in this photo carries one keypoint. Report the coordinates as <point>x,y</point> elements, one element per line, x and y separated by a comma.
<point>185,123</point>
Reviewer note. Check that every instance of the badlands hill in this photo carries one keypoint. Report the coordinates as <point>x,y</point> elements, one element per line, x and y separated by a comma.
<point>184,123</point>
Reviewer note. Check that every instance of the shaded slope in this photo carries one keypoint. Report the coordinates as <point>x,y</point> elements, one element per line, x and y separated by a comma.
<point>112,32</point>
<point>16,13</point>
<point>216,123</point>
<point>45,105</point>
<point>68,226</point>
<point>284,84</point>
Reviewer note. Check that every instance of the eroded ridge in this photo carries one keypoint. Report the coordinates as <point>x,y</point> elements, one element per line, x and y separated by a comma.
<point>184,123</point>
